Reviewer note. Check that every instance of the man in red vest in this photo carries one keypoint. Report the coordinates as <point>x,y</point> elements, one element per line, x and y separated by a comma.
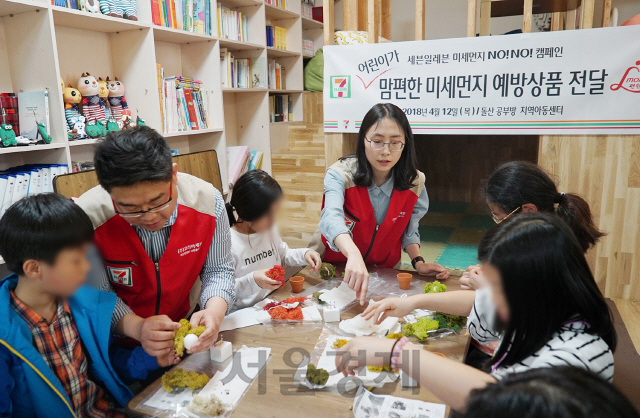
<point>160,234</point>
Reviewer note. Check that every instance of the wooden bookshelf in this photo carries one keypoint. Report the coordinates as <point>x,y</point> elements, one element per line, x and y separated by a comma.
<point>40,43</point>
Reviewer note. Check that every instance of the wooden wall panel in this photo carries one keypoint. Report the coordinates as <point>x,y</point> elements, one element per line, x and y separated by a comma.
<point>455,165</point>
<point>605,170</point>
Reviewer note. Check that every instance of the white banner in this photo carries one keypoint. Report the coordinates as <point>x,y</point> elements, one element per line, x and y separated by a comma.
<point>567,82</point>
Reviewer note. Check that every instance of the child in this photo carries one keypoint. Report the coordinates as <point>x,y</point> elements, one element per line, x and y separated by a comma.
<point>558,392</point>
<point>522,187</point>
<point>255,242</point>
<point>541,301</point>
<point>54,332</point>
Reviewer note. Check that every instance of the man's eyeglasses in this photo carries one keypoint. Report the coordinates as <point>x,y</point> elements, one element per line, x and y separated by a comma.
<point>376,145</point>
<point>154,209</point>
<point>498,220</point>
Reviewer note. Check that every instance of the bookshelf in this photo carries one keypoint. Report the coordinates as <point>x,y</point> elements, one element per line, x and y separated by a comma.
<point>41,43</point>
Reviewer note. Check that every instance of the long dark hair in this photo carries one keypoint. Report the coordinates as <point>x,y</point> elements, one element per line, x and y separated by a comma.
<point>405,171</point>
<point>252,196</point>
<point>518,182</point>
<point>546,282</point>
<point>549,392</point>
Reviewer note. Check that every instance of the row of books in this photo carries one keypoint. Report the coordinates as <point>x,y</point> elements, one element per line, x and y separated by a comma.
<point>276,37</point>
<point>188,15</point>
<point>307,47</point>
<point>240,160</point>
<point>277,3</point>
<point>27,180</point>
<point>183,103</point>
<point>280,108</point>
<point>232,24</point>
<point>241,73</point>
<point>277,75</point>
<point>306,9</point>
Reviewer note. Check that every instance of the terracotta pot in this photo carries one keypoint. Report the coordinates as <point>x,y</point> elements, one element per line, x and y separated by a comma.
<point>297,283</point>
<point>404,279</point>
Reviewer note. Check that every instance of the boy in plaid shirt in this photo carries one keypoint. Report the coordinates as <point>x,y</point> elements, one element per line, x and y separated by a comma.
<point>55,333</point>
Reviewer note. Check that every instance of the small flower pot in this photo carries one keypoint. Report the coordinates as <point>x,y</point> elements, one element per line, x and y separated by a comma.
<point>404,280</point>
<point>297,282</point>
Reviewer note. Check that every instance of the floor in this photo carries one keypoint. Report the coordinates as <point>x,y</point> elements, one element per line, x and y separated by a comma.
<point>450,233</point>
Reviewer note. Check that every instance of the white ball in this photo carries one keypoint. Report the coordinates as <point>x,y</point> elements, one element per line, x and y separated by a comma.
<point>190,340</point>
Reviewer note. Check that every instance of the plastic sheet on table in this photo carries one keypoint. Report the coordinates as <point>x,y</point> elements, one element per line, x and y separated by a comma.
<point>337,383</point>
<point>330,284</point>
<point>160,403</point>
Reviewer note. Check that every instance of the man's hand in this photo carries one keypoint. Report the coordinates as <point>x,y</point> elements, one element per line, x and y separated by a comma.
<point>156,335</point>
<point>211,317</point>
<point>168,359</point>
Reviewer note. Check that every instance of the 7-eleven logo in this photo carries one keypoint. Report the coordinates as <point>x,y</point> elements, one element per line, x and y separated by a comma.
<point>120,275</point>
<point>340,87</point>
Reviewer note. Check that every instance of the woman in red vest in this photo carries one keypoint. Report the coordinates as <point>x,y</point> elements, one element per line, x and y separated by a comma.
<point>373,201</point>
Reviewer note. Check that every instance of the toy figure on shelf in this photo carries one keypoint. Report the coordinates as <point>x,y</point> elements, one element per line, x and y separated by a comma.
<point>104,94</point>
<point>120,8</point>
<point>42,134</point>
<point>117,102</point>
<point>92,6</point>
<point>72,99</point>
<point>91,107</point>
<point>95,129</point>
<point>7,136</point>
<point>112,125</point>
<point>78,129</point>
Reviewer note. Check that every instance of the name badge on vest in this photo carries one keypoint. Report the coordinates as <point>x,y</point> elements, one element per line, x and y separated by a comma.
<point>120,275</point>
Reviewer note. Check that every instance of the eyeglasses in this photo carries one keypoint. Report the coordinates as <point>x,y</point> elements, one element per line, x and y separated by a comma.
<point>498,220</point>
<point>150,210</point>
<point>395,146</point>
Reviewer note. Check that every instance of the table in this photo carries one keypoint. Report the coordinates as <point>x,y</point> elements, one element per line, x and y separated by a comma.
<point>267,400</point>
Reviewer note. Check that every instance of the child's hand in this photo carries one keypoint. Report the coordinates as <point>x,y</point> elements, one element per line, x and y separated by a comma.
<point>473,278</point>
<point>264,282</point>
<point>313,259</point>
<point>168,359</point>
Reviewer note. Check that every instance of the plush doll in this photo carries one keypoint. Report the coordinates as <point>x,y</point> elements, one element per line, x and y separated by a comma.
<point>96,128</point>
<point>112,125</point>
<point>92,6</point>
<point>120,8</point>
<point>104,94</point>
<point>42,134</point>
<point>117,102</point>
<point>72,99</point>
<point>7,136</point>
<point>90,89</point>
<point>78,132</point>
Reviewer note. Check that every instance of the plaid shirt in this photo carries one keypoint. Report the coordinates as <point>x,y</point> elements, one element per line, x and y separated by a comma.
<point>59,345</point>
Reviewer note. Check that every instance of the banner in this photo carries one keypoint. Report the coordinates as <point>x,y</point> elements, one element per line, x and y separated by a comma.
<point>566,82</point>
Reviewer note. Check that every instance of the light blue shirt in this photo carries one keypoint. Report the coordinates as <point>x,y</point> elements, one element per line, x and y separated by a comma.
<point>332,221</point>
<point>217,274</point>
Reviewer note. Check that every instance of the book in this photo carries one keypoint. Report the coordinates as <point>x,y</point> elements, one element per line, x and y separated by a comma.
<point>256,160</point>
<point>258,73</point>
<point>192,109</point>
<point>188,15</point>
<point>237,162</point>
<point>183,103</point>
<point>280,108</point>
<point>33,108</point>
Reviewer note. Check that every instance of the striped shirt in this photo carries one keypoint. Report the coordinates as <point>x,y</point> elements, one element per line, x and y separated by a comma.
<point>217,273</point>
<point>572,345</point>
<point>58,342</point>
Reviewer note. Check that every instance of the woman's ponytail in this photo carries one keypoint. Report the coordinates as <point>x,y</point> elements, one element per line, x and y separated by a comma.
<point>575,211</point>
<point>517,183</point>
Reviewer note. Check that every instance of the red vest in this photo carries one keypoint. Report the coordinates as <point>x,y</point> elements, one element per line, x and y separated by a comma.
<point>379,244</point>
<point>161,288</point>
<point>150,288</point>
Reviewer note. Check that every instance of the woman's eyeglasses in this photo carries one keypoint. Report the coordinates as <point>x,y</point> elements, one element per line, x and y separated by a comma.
<point>154,209</point>
<point>394,146</point>
<point>498,220</point>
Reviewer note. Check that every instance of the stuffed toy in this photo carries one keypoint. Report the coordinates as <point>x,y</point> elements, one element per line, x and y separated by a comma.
<point>78,131</point>
<point>120,8</point>
<point>96,128</point>
<point>7,136</point>
<point>104,94</point>
<point>90,89</point>
<point>72,99</point>
<point>42,134</point>
<point>112,125</point>
<point>117,102</point>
